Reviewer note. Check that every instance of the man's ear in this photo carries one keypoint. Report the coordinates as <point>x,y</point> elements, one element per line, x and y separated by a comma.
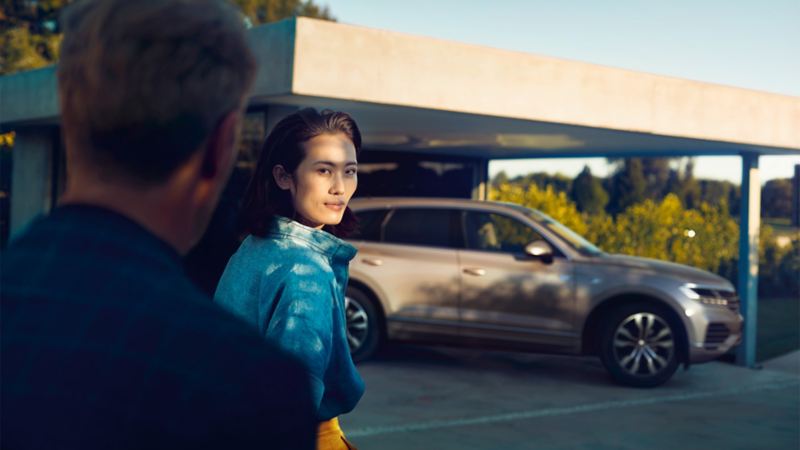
<point>221,149</point>
<point>282,178</point>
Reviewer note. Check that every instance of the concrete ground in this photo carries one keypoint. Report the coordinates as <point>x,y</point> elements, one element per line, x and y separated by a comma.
<point>441,398</point>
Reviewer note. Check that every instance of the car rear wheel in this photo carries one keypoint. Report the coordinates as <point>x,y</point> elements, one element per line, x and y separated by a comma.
<point>639,345</point>
<point>363,324</point>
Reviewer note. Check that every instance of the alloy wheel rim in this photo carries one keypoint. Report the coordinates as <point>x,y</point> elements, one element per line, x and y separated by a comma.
<point>357,323</point>
<point>643,344</point>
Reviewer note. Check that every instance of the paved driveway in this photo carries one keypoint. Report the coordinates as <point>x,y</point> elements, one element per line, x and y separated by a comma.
<point>440,398</point>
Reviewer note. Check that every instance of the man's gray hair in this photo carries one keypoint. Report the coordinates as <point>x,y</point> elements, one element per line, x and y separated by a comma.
<point>144,83</point>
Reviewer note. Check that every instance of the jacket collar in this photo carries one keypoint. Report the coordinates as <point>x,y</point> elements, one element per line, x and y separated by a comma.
<point>321,241</point>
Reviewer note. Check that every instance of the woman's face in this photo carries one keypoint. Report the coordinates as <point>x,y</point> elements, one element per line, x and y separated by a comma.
<point>324,181</point>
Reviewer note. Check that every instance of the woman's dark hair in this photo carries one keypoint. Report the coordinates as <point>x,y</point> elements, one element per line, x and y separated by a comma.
<point>263,199</point>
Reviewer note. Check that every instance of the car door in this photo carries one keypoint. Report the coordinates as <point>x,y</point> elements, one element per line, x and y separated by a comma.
<point>508,295</point>
<point>416,269</point>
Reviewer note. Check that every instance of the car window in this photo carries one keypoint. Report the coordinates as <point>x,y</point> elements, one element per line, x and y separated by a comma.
<point>497,233</point>
<point>369,225</point>
<point>422,226</point>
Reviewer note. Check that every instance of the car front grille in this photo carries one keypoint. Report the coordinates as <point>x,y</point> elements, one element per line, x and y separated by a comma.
<point>716,334</point>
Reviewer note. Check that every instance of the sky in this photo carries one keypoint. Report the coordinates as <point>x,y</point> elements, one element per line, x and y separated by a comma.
<point>750,44</point>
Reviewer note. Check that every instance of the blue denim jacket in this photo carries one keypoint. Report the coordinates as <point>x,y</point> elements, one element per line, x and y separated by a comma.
<point>290,286</point>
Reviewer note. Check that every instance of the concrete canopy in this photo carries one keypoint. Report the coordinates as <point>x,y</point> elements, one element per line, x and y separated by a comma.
<point>422,94</point>
<point>410,92</point>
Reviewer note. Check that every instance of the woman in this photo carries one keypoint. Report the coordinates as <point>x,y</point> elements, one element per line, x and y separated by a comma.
<point>289,275</point>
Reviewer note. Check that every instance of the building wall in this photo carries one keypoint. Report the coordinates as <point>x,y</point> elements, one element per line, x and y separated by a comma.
<point>32,176</point>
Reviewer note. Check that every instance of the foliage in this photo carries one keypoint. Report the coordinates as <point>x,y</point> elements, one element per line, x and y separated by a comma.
<point>779,266</point>
<point>637,179</point>
<point>7,139</point>
<point>689,190</point>
<point>30,38</point>
<point>627,185</point>
<point>555,204</point>
<point>702,237</point>
<point>714,191</point>
<point>267,11</point>
<point>777,198</point>
<point>500,178</point>
<point>706,237</point>
<point>29,35</point>
<point>588,193</point>
<point>558,182</point>
<point>656,172</point>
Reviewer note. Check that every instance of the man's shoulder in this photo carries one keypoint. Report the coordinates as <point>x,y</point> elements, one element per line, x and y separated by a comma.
<point>47,278</point>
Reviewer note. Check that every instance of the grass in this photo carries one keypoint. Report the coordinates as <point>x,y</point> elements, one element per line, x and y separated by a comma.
<point>778,329</point>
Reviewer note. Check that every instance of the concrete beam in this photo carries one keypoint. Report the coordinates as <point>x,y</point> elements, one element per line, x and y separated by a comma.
<point>542,103</point>
<point>346,62</point>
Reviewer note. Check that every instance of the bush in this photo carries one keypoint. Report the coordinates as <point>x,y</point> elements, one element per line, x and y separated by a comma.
<point>779,267</point>
<point>706,237</point>
<point>555,204</point>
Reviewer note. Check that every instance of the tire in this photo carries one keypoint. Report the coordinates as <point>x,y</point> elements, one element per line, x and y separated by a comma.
<point>640,344</point>
<point>363,324</point>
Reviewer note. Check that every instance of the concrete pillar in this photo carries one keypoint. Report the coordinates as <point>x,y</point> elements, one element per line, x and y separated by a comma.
<point>749,224</point>
<point>31,177</point>
<point>480,189</point>
<point>796,196</point>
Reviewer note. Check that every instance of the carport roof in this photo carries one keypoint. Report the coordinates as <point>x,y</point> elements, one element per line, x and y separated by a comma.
<point>416,93</point>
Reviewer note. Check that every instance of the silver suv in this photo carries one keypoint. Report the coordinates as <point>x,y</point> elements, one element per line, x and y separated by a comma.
<point>447,271</point>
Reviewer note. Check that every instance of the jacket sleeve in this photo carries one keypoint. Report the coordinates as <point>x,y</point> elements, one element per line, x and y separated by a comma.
<point>301,324</point>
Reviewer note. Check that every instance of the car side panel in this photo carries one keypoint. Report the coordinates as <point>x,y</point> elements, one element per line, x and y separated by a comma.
<point>517,299</point>
<point>419,286</point>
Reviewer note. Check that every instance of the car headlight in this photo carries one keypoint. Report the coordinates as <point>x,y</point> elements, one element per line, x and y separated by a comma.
<point>708,296</point>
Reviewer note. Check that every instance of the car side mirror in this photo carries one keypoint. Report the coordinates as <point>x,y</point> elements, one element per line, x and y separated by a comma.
<point>540,250</point>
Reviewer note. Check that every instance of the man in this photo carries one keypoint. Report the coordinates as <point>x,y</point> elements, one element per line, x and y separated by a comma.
<point>105,342</point>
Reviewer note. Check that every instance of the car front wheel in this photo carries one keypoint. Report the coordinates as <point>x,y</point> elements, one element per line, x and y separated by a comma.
<point>363,324</point>
<point>640,345</point>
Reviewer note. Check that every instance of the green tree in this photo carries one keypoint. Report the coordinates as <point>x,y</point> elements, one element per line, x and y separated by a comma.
<point>588,193</point>
<point>776,198</point>
<point>500,178</point>
<point>681,182</point>
<point>690,188</point>
<point>656,173</point>
<point>559,182</point>
<point>627,185</point>
<point>715,191</point>
<point>30,37</point>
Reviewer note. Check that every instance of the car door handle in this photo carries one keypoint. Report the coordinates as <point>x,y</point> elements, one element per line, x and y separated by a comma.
<point>372,262</point>
<point>476,271</point>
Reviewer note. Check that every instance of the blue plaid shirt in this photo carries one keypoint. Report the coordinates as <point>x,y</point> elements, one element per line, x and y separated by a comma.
<point>290,286</point>
<point>106,344</point>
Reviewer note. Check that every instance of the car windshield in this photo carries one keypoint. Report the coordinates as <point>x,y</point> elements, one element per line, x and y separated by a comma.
<point>572,238</point>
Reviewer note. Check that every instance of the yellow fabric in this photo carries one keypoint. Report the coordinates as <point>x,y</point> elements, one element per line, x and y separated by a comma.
<point>331,437</point>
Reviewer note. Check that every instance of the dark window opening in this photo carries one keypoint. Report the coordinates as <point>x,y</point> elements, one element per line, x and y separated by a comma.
<point>369,225</point>
<point>497,233</point>
<point>396,174</point>
<point>428,227</point>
